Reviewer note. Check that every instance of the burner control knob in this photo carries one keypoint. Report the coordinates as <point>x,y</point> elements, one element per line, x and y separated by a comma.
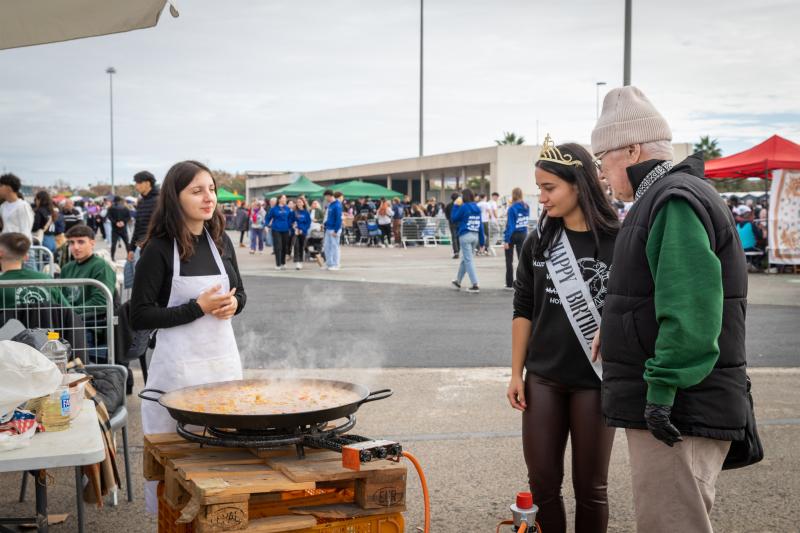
<point>366,456</point>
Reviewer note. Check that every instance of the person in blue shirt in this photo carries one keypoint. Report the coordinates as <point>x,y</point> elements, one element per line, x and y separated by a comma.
<point>516,231</point>
<point>333,229</point>
<point>467,216</point>
<point>749,234</point>
<point>301,220</point>
<point>279,220</point>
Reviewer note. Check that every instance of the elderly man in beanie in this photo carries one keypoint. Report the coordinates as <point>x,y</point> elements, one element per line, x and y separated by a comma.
<point>672,336</point>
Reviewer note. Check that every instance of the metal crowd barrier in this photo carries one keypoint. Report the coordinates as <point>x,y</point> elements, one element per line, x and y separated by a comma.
<point>41,259</point>
<point>45,304</point>
<point>428,231</point>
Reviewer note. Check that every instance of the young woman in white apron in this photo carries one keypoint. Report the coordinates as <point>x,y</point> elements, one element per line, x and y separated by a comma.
<point>195,343</point>
<point>559,295</point>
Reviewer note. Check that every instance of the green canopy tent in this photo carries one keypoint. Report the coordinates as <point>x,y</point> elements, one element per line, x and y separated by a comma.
<point>225,196</point>
<point>301,185</point>
<point>358,188</point>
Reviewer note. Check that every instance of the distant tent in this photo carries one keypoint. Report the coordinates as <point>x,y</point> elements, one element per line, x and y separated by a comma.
<point>225,196</point>
<point>358,188</point>
<point>301,185</point>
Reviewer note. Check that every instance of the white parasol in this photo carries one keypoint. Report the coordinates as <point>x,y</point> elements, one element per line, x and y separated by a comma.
<point>31,22</point>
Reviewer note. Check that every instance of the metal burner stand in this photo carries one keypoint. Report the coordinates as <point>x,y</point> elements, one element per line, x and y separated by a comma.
<point>318,436</point>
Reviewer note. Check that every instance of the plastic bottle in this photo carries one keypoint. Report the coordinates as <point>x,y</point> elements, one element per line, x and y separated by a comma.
<point>57,352</point>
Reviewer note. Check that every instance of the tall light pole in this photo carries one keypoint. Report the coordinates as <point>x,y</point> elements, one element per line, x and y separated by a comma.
<point>597,98</point>
<point>111,71</point>
<point>421,59</point>
<point>626,73</point>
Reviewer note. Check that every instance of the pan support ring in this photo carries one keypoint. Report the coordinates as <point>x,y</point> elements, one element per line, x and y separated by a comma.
<point>271,438</point>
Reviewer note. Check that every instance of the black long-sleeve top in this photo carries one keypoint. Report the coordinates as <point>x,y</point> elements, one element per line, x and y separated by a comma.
<point>152,283</point>
<point>144,212</point>
<point>554,351</point>
<point>119,213</point>
<point>40,216</point>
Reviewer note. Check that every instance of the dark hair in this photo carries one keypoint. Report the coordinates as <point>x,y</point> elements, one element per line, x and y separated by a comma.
<point>80,230</point>
<point>12,181</point>
<point>467,195</point>
<point>495,194</point>
<point>454,196</point>
<point>592,200</point>
<point>338,194</point>
<point>167,221</point>
<point>144,176</point>
<point>43,197</point>
<point>327,192</point>
<point>117,199</point>
<point>16,244</point>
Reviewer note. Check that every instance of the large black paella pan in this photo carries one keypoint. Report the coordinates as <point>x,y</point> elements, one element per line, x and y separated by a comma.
<point>259,404</point>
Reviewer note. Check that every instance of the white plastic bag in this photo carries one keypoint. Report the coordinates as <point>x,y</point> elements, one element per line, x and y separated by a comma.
<point>24,374</point>
<point>9,441</point>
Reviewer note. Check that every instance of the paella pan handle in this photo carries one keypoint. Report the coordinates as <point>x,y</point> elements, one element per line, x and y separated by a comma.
<point>376,395</point>
<point>148,398</point>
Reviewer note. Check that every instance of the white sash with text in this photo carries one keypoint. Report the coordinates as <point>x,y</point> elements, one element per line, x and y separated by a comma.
<point>575,297</point>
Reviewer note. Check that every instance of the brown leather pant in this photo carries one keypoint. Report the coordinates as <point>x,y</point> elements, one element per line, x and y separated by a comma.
<point>554,412</point>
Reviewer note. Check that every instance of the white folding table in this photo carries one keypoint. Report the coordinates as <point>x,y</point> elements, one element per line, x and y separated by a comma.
<point>81,444</point>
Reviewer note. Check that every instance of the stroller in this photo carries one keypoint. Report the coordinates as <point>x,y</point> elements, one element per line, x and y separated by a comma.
<point>314,242</point>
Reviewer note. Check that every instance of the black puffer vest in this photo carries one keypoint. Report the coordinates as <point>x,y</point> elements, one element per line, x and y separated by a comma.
<point>716,407</point>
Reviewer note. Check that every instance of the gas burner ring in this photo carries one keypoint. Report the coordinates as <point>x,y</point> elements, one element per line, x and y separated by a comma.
<point>269,438</point>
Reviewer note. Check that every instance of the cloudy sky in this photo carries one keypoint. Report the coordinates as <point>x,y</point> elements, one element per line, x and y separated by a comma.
<point>312,84</point>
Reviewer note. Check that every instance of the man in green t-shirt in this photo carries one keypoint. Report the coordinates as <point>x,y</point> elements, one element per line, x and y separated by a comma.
<point>13,252</point>
<point>88,301</point>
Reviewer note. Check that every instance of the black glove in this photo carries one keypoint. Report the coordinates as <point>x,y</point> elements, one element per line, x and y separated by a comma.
<point>657,418</point>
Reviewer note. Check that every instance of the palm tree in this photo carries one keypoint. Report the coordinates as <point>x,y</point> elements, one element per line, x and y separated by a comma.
<point>709,148</point>
<point>510,138</point>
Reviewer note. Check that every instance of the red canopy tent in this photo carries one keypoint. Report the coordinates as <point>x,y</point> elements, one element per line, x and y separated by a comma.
<point>757,162</point>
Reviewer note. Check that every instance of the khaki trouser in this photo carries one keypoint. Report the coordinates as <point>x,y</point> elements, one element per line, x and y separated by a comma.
<point>673,488</point>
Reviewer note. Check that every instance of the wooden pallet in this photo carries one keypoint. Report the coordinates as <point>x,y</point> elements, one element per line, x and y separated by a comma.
<point>226,489</point>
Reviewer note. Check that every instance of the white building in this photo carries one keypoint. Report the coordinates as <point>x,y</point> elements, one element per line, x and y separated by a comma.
<point>493,169</point>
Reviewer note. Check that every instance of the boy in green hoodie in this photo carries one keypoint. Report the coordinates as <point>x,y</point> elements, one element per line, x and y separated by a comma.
<point>89,302</point>
<point>86,264</point>
<point>13,252</point>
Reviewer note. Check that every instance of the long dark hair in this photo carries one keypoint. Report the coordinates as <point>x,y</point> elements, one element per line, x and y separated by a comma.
<point>467,195</point>
<point>168,221</point>
<point>593,202</point>
<point>42,199</point>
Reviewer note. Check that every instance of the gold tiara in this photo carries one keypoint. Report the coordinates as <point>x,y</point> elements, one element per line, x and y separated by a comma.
<point>551,153</point>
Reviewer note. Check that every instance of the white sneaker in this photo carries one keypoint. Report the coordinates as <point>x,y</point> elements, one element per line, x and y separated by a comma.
<point>334,267</point>
<point>298,266</point>
<point>278,267</point>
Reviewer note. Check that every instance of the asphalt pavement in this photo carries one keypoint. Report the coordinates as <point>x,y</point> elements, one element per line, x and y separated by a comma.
<point>293,321</point>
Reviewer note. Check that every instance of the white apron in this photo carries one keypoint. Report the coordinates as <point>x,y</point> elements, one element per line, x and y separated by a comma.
<point>202,351</point>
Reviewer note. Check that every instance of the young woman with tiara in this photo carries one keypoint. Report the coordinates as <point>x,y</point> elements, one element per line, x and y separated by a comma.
<point>559,295</point>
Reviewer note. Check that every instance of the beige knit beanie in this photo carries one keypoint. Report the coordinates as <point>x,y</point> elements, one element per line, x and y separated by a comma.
<point>628,118</point>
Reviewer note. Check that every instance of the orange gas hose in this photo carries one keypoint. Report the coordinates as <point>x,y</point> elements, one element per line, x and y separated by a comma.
<point>504,523</point>
<point>424,484</point>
